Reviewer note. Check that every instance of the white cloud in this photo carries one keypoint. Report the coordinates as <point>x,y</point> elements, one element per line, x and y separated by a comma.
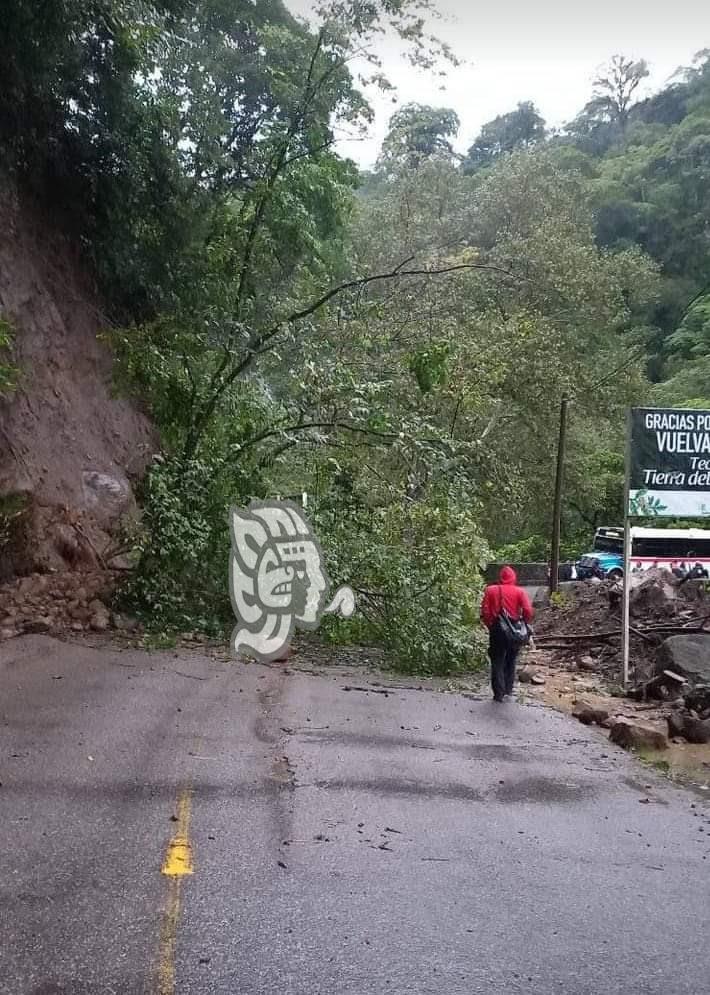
<point>547,52</point>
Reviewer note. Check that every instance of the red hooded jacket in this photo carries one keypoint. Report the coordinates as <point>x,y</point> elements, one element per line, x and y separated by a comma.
<point>506,595</point>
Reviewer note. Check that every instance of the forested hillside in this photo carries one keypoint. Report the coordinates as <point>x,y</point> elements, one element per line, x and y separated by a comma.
<point>395,343</point>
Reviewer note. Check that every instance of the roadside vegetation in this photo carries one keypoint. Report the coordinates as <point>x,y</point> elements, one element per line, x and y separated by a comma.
<point>395,343</point>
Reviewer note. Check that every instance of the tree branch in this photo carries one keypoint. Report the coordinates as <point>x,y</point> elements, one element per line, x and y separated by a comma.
<point>262,342</point>
<point>305,426</point>
<point>397,272</point>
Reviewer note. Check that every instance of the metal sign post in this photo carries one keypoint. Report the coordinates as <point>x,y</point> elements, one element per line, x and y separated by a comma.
<point>667,476</point>
<point>557,509</point>
<point>627,560</point>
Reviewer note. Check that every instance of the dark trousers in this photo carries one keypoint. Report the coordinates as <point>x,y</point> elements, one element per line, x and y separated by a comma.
<point>504,655</point>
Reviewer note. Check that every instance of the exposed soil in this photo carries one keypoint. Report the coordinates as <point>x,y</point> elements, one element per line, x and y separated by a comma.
<point>60,604</point>
<point>69,447</point>
<point>660,606</point>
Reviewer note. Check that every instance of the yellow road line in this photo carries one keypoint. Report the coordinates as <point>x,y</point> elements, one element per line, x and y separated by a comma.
<point>177,863</point>
<point>168,937</point>
<point>178,859</point>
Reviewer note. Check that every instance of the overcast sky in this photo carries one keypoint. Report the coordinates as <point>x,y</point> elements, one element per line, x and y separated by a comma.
<point>546,52</point>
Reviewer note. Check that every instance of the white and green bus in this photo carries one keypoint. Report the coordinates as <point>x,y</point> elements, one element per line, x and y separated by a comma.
<point>670,549</point>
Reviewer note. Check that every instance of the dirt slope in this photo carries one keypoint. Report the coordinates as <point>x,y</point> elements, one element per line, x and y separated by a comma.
<point>68,446</point>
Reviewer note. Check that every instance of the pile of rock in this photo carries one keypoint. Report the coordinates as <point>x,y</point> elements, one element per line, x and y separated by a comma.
<point>623,730</point>
<point>582,628</point>
<point>681,682</point>
<point>688,658</point>
<point>59,603</point>
<point>635,735</point>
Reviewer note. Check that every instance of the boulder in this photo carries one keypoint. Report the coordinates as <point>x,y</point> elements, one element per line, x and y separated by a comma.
<point>107,496</point>
<point>587,663</point>
<point>125,623</point>
<point>687,655</point>
<point>698,700</point>
<point>528,676</point>
<point>652,594</point>
<point>589,714</point>
<point>99,622</point>
<point>637,735</point>
<point>690,728</point>
<point>666,686</point>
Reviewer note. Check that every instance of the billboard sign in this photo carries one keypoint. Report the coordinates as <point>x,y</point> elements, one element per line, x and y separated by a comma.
<point>669,471</point>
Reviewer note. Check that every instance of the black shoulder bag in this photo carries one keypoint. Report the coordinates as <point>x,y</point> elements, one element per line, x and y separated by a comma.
<point>515,630</point>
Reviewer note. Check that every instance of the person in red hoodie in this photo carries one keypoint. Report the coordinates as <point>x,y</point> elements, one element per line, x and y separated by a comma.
<point>503,653</point>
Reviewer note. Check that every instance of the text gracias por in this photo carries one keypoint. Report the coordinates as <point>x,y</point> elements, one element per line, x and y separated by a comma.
<point>680,433</point>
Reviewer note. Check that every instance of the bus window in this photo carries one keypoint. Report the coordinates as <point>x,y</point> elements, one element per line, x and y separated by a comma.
<point>605,543</point>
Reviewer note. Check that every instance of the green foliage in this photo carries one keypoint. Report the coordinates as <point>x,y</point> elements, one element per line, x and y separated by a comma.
<point>418,132</point>
<point>245,370</point>
<point>8,372</point>
<point>416,570</point>
<point>605,118</point>
<point>398,351</point>
<point>12,506</point>
<point>536,549</point>
<point>80,126</point>
<point>692,338</point>
<point>430,366</point>
<point>181,583</point>
<point>644,505</point>
<point>651,190</point>
<point>533,549</point>
<point>522,128</point>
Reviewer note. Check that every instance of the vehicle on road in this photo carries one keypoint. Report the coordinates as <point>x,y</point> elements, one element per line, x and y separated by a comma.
<point>606,558</point>
<point>661,548</point>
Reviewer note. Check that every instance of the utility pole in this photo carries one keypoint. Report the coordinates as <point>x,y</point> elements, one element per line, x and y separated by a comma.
<point>625,619</point>
<point>557,511</point>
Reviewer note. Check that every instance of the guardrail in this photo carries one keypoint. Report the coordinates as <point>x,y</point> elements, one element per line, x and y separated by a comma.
<point>529,574</point>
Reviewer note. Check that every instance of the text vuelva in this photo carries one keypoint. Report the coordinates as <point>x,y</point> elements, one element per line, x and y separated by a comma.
<point>683,442</point>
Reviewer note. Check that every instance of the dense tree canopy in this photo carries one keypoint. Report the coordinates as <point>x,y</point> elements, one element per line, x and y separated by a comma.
<point>418,132</point>
<point>522,128</point>
<point>399,348</point>
<point>604,119</point>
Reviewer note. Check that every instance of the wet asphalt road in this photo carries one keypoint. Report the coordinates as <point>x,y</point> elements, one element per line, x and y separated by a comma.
<point>343,843</point>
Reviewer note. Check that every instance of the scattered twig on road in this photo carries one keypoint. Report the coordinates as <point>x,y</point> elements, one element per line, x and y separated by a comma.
<point>573,637</point>
<point>642,635</point>
<point>401,687</point>
<point>648,634</point>
<point>351,687</point>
